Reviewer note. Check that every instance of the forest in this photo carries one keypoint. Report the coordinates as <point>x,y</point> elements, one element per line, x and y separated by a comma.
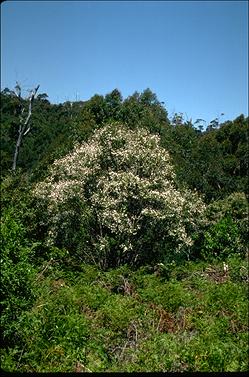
<point>124,237</point>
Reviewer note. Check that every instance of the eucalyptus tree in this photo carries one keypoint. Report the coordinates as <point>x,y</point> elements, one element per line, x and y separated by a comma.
<point>24,125</point>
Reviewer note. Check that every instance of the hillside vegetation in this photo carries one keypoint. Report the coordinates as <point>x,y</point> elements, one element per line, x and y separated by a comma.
<point>124,238</point>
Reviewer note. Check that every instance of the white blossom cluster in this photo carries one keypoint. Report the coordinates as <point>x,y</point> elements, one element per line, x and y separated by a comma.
<point>128,181</point>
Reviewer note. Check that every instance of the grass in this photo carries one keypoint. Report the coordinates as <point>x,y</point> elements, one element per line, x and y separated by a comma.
<point>192,317</point>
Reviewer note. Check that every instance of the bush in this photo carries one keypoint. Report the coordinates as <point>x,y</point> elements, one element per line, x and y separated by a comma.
<point>133,321</point>
<point>115,200</point>
<point>235,205</point>
<point>221,239</point>
<point>226,233</point>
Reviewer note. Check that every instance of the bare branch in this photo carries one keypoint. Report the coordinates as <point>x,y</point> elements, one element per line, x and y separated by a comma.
<point>23,127</point>
<point>18,90</point>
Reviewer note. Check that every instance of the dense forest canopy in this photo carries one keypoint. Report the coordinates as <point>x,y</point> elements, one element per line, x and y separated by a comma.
<point>214,160</point>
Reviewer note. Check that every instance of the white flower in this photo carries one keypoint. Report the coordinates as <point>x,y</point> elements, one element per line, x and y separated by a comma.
<point>128,181</point>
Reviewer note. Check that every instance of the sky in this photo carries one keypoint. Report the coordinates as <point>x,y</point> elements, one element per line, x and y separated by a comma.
<point>192,54</point>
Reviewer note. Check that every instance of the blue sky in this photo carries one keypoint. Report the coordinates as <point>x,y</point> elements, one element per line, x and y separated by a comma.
<point>192,54</point>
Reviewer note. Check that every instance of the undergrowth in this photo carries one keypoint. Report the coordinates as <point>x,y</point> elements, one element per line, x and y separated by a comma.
<point>171,318</point>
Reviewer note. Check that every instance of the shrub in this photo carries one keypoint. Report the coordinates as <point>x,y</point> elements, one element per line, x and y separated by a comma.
<point>221,239</point>
<point>226,233</point>
<point>115,200</point>
<point>81,322</point>
<point>235,205</point>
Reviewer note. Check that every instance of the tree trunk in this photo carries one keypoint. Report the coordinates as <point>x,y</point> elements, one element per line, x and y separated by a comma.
<point>23,128</point>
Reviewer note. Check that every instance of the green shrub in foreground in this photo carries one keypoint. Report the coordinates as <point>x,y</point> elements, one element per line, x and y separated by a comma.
<point>17,273</point>
<point>196,319</point>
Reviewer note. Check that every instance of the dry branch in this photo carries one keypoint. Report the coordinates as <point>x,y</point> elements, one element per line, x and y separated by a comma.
<point>24,128</point>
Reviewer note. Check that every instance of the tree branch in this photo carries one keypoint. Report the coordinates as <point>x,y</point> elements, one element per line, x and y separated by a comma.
<point>23,128</point>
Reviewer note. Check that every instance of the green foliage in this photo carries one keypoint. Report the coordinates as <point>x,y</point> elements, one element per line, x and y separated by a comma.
<point>17,272</point>
<point>126,321</point>
<point>62,315</point>
<point>235,205</point>
<point>117,194</point>
<point>215,162</point>
<point>10,111</point>
<point>221,239</point>
<point>144,110</point>
<point>226,233</point>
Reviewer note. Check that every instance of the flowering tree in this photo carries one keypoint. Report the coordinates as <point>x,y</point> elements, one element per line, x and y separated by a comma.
<point>122,184</point>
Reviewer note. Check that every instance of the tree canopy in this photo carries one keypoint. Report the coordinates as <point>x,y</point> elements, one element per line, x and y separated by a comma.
<point>126,181</point>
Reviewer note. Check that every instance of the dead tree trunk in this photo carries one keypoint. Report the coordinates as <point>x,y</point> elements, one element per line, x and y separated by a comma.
<point>24,126</point>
